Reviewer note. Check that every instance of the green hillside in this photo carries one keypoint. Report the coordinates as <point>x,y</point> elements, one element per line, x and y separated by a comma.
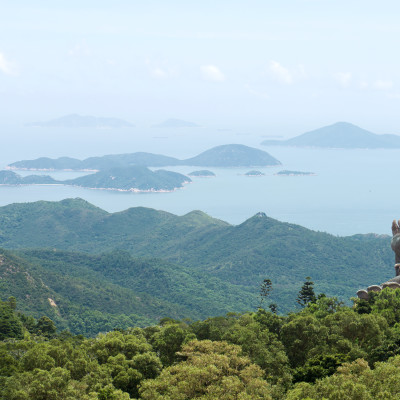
<point>86,293</point>
<point>230,155</point>
<point>133,178</point>
<point>240,256</point>
<point>137,178</point>
<point>11,178</point>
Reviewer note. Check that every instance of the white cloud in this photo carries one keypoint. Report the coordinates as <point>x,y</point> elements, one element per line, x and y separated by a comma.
<point>212,73</point>
<point>281,73</point>
<point>159,73</point>
<point>383,85</point>
<point>6,66</point>
<point>344,78</point>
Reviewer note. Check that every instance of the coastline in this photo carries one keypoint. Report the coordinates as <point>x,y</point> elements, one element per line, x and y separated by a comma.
<point>10,168</point>
<point>132,190</point>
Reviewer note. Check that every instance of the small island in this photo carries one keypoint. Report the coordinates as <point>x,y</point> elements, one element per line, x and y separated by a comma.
<point>123,179</point>
<point>254,173</point>
<point>202,174</point>
<point>11,178</point>
<point>294,173</point>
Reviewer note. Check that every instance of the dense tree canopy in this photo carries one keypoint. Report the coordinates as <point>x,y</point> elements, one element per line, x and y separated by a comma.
<point>325,350</point>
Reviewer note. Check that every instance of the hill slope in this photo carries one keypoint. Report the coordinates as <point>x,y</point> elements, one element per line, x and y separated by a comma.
<point>340,135</point>
<point>230,155</point>
<point>134,178</point>
<point>85,293</point>
<point>241,255</point>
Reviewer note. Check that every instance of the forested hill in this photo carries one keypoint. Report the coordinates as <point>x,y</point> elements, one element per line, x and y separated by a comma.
<point>87,294</point>
<point>229,155</point>
<point>241,256</point>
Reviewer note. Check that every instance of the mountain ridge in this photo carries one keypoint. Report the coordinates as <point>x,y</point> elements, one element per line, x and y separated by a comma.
<point>239,255</point>
<point>230,155</point>
<point>339,135</point>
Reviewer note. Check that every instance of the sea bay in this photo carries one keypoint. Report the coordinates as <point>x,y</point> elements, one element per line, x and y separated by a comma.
<point>353,191</point>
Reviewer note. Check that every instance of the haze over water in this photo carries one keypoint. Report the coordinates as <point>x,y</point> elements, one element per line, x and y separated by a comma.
<point>354,191</point>
<point>242,71</point>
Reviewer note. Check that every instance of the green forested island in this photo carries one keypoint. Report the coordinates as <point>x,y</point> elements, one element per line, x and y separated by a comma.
<point>204,173</point>
<point>230,155</point>
<point>11,178</point>
<point>340,135</point>
<point>134,178</point>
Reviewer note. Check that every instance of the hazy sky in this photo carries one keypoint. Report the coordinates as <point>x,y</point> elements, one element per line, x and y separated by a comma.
<point>286,65</point>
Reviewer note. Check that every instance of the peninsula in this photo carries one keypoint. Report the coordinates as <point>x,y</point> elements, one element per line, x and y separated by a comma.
<point>127,179</point>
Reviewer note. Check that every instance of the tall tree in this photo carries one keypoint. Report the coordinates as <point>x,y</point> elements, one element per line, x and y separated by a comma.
<point>306,294</point>
<point>265,290</point>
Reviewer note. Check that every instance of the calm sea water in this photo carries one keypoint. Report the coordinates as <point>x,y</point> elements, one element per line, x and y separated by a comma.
<point>353,191</point>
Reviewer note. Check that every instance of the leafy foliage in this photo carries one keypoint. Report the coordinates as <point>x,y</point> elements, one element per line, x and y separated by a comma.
<point>232,258</point>
<point>325,350</point>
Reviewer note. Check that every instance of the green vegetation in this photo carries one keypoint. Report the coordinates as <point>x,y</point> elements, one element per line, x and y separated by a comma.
<point>326,350</point>
<point>11,178</point>
<point>135,178</point>
<point>230,155</point>
<point>203,173</point>
<point>230,261</point>
<point>88,294</point>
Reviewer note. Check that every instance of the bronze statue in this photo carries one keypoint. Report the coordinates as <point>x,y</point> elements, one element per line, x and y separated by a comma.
<point>393,283</point>
<point>396,244</point>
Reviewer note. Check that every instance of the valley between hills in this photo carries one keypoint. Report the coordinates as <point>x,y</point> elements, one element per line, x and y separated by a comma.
<point>116,267</point>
